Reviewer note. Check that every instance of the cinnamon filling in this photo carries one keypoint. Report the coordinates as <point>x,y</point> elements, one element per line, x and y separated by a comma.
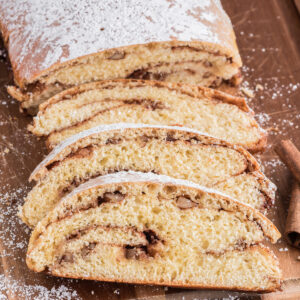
<point>38,87</point>
<point>142,251</point>
<point>150,249</point>
<point>150,73</point>
<point>87,249</point>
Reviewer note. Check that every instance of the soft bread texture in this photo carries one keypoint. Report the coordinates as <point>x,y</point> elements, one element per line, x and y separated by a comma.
<point>175,151</point>
<point>207,110</point>
<point>190,41</point>
<point>114,228</point>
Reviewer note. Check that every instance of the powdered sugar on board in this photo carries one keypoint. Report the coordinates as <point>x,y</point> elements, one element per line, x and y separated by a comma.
<point>10,286</point>
<point>42,33</point>
<point>13,246</point>
<point>272,90</point>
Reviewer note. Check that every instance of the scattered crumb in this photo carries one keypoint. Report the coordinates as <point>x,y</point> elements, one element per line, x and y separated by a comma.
<point>6,150</point>
<point>247,92</point>
<point>117,291</point>
<point>273,129</point>
<point>259,87</point>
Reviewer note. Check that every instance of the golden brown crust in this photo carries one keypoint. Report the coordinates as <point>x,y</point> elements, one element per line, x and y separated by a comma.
<point>16,93</point>
<point>276,286</point>
<point>261,145</point>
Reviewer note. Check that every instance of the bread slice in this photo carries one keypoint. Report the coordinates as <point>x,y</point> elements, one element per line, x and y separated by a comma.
<point>51,50</point>
<point>145,228</point>
<point>174,151</point>
<point>135,101</point>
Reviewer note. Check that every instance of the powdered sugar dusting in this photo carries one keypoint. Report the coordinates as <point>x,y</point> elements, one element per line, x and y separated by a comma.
<point>37,292</point>
<point>14,246</point>
<point>43,33</point>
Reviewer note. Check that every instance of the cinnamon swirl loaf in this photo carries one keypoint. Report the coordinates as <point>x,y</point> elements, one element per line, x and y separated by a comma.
<point>54,45</point>
<point>136,101</point>
<point>175,151</point>
<point>151,229</point>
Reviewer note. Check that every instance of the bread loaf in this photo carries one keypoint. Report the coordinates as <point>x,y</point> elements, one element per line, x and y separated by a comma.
<point>55,45</point>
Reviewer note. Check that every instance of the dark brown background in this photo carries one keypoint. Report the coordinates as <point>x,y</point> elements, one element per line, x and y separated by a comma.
<point>268,34</point>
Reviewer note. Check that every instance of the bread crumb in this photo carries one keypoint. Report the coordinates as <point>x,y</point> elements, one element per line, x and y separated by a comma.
<point>247,92</point>
<point>273,129</point>
<point>117,291</point>
<point>6,150</point>
<point>259,87</point>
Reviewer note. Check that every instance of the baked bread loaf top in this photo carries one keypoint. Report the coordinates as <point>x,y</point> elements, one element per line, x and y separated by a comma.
<point>152,102</point>
<point>53,45</point>
<point>174,151</point>
<point>145,228</point>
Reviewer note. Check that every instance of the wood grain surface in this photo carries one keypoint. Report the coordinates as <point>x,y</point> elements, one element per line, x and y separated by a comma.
<point>268,34</point>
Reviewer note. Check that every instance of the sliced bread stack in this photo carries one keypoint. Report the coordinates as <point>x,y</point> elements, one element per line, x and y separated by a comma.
<point>83,187</point>
<point>148,181</point>
<point>105,208</point>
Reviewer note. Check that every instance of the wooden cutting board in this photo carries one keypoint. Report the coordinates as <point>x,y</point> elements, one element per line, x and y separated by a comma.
<point>268,34</point>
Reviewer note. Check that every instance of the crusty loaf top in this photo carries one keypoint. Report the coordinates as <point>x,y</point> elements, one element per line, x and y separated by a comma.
<point>42,34</point>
